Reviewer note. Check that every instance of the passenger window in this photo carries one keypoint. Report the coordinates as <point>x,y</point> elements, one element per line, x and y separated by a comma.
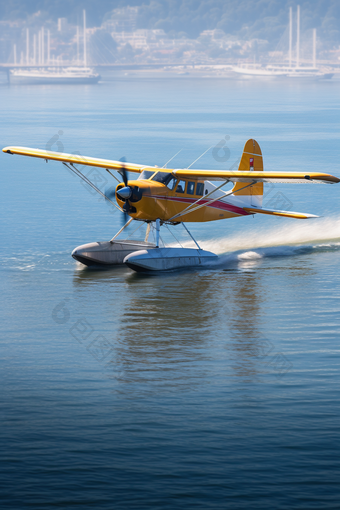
<point>180,187</point>
<point>200,189</point>
<point>191,188</point>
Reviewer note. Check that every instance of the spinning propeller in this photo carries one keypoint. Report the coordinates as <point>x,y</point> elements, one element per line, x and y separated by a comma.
<point>124,193</point>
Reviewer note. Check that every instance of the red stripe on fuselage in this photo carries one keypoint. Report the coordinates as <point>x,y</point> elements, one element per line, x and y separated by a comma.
<point>216,205</point>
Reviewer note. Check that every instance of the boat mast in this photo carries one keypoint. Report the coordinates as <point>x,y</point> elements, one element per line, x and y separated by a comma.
<point>27,47</point>
<point>15,54</point>
<point>34,49</point>
<point>298,37</point>
<point>290,35</point>
<point>39,49</point>
<point>85,56</point>
<point>48,47</point>
<point>77,45</point>
<point>42,46</point>
<point>314,48</point>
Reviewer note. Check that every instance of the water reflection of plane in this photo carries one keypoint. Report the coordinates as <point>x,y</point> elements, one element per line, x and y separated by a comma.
<point>166,328</point>
<point>246,300</point>
<point>85,276</point>
<point>162,327</point>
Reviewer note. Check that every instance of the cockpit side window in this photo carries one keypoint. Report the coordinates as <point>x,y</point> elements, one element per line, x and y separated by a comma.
<point>146,174</point>
<point>180,187</point>
<point>172,182</point>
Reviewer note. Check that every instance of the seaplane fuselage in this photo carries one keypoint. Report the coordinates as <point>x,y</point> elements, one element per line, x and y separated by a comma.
<point>163,196</point>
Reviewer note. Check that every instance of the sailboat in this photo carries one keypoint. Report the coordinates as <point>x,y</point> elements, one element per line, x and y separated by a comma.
<point>290,71</point>
<point>55,74</point>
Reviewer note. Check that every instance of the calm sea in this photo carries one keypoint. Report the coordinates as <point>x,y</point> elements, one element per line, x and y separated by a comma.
<point>204,389</point>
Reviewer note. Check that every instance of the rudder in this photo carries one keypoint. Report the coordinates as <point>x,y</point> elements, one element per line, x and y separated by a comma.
<point>251,160</point>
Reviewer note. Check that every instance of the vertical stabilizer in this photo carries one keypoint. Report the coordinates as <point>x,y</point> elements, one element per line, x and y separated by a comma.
<point>251,160</point>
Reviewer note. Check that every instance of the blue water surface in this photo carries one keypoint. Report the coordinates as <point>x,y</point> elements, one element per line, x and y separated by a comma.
<point>216,388</point>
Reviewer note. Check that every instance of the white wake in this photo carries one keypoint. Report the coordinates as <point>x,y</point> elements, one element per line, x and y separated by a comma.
<point>312,232</point>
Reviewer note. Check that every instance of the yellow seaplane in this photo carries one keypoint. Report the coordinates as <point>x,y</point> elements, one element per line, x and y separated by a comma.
<point>162,196</point>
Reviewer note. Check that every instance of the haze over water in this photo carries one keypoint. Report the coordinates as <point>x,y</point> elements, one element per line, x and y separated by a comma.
<point>204,389</point>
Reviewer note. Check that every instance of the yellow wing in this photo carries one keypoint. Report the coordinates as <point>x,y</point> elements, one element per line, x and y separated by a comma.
<point>249,176</point>
<point>211,175</point>
<point>74,159</point>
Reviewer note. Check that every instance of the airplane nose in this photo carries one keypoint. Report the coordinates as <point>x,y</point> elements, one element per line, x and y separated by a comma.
<point>125,193</point>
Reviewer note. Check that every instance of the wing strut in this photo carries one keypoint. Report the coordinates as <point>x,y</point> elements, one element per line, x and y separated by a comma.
<point>200,198</point>
<point>191,207</point>
<point>85,179</point>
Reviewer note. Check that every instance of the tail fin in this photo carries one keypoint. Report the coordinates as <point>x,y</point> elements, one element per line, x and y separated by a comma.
<point>251,160</point>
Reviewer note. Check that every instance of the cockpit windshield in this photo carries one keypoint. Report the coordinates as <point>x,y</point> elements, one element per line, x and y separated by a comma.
<point>146,174</point>
<point>162,177</point>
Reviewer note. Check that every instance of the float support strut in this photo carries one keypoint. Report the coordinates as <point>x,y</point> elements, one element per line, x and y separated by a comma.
<point>121,230</point>
<point>192,237</point>
<point>158,226</point>
<point>148,228</point>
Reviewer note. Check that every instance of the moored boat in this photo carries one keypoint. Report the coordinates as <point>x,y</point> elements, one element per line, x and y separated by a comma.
<point>54,75</point>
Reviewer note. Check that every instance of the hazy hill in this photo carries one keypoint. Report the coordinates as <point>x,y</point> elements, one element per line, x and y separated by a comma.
<point>244,18</point>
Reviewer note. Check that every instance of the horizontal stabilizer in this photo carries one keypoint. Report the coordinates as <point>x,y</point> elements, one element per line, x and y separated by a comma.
<point>287,214</point>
